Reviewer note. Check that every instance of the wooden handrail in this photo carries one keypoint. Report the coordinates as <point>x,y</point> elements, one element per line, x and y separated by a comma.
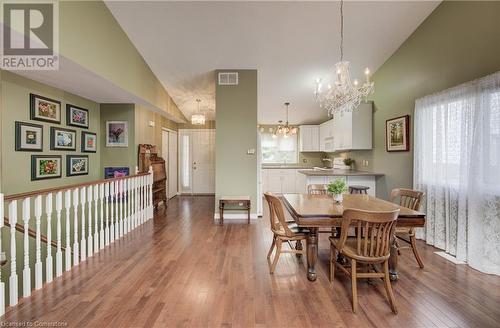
<point>32,233</point>
<point>68,187</point>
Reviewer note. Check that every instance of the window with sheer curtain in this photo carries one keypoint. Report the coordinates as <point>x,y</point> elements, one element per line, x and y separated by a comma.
<point>457,165</point>
<point>279,149</point>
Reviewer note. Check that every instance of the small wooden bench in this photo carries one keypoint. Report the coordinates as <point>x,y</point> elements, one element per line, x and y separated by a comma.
<point>240,202</point>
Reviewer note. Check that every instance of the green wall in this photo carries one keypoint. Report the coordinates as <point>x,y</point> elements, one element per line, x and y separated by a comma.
<point>15,106</point>
<point>90,36</point>
<point>458,42</point>
<point>118,156</point>
<point>236,120</point>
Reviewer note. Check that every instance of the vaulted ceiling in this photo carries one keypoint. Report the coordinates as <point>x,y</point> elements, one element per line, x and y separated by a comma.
<point>289,43</point>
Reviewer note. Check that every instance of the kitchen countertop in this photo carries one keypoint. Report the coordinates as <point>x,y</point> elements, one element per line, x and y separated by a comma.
<point>332,172</point>
<point>294,167</point>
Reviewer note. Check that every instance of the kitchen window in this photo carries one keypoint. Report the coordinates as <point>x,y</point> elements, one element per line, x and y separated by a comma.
<point>279,149</point>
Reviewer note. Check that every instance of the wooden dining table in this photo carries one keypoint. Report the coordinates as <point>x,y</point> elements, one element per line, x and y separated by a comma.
<point>320,211</point>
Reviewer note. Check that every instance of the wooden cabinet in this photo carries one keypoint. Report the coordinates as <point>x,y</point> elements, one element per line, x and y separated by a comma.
<point>309,138</point>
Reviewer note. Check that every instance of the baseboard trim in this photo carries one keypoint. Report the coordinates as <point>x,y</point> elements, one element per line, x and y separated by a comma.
<point>236,216</point>
<point>449,257</point>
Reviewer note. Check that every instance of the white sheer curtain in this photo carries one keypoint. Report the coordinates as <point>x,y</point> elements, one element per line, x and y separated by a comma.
<point>457,165</point>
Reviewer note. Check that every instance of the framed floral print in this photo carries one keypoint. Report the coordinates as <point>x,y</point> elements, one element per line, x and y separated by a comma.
<point>89,142</point>
<point>45,109</point>
<point>77,116</point>
<point>77,165</point>
<point>62,139</point>
<point>45,167</point>
<point>116,134</point>
<point>29,137</point>
<point>397,134</point>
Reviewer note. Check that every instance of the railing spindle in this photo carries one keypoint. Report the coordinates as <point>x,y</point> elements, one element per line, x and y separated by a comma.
<point>38,243</point>
<point>27,269</point>
<point>67,251</point>
<point>96,214</point>
<point>113,202</point>
<point>106,230</point>
<point>120,182</point>
<point>58,249</point>
<point>48,261</point>
<point>76,248</point>
<point>126,200</point>
<point>83,244</point>
<point>117,209</point>
<point>90,239</point>
<point>101,232</point>
<point>13,291</point>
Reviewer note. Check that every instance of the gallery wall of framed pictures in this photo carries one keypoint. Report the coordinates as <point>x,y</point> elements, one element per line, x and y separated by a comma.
<point>70,139</point>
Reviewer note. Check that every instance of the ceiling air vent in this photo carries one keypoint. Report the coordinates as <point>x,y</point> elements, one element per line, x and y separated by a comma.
<point>228,78</point>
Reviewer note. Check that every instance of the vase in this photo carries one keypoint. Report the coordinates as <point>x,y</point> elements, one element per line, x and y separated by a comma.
<point>338,198</point>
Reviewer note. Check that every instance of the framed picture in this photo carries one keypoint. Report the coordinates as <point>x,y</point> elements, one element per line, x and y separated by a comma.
<point>397,134</point>
<point>45,109</point>
<point>89,142</point>
<point>116,172</point>
<point>45,167</point>
<point>29,137</point>
<point>62,139</point>
<point>116,134</point>
<point>77,116</point>
<point>77,165</point>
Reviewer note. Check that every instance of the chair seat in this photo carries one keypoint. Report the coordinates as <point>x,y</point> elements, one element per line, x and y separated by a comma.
<point>298,232</point>
<point>350,250</point>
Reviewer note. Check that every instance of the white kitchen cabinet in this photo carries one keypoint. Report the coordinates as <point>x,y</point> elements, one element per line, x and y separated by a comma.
<point>353,131</point>
<point>327,136</point>
<point>279,181</point>
<point>309,138</point>
<point>300,183</point>
<point>351,180</point>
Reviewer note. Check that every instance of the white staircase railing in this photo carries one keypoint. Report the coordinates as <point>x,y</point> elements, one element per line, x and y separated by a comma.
<point>93,215</point>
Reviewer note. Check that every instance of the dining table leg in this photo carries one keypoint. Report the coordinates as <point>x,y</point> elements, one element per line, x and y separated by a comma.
<point>312,253</point>
<point>393,260</point>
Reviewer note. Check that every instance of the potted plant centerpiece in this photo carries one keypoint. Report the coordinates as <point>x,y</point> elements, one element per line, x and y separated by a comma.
<point>337,188</point>
<point>349,162</point>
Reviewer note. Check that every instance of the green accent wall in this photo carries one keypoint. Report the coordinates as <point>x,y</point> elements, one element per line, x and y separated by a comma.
<point>458,42</point>
<point>236,120</point>
<point>15,106</point>
<point>90,36</point>
<point>118,156</point>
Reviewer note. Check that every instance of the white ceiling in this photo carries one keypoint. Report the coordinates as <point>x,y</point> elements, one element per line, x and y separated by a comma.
<point>289,43</point>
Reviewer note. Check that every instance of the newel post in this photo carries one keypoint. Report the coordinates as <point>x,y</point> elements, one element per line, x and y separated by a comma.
<point>150,191</point>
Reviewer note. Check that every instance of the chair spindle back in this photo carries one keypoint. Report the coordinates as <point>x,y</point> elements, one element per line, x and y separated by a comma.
<point>408,198</point>
<point>375,230</point>
<point>277,216</point>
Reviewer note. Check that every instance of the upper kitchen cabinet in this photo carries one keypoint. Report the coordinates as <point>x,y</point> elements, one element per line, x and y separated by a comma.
<point>326,132</point>
<point>309,138</point>
<point>352,131</point>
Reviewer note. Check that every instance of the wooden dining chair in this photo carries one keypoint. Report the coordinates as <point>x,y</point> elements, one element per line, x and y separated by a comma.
<point>371,246</point>
<point>411,199</point>
<point>317,189</point>
<point>282,231</point>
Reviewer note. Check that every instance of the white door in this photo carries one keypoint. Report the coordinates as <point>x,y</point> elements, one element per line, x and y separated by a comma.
<point>197,151</point>
<point>165,155</point>
<point>172,164</point>
<point>203,162</point>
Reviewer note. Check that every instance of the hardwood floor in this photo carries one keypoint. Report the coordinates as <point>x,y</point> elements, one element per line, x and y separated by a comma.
<point>182,270</point>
